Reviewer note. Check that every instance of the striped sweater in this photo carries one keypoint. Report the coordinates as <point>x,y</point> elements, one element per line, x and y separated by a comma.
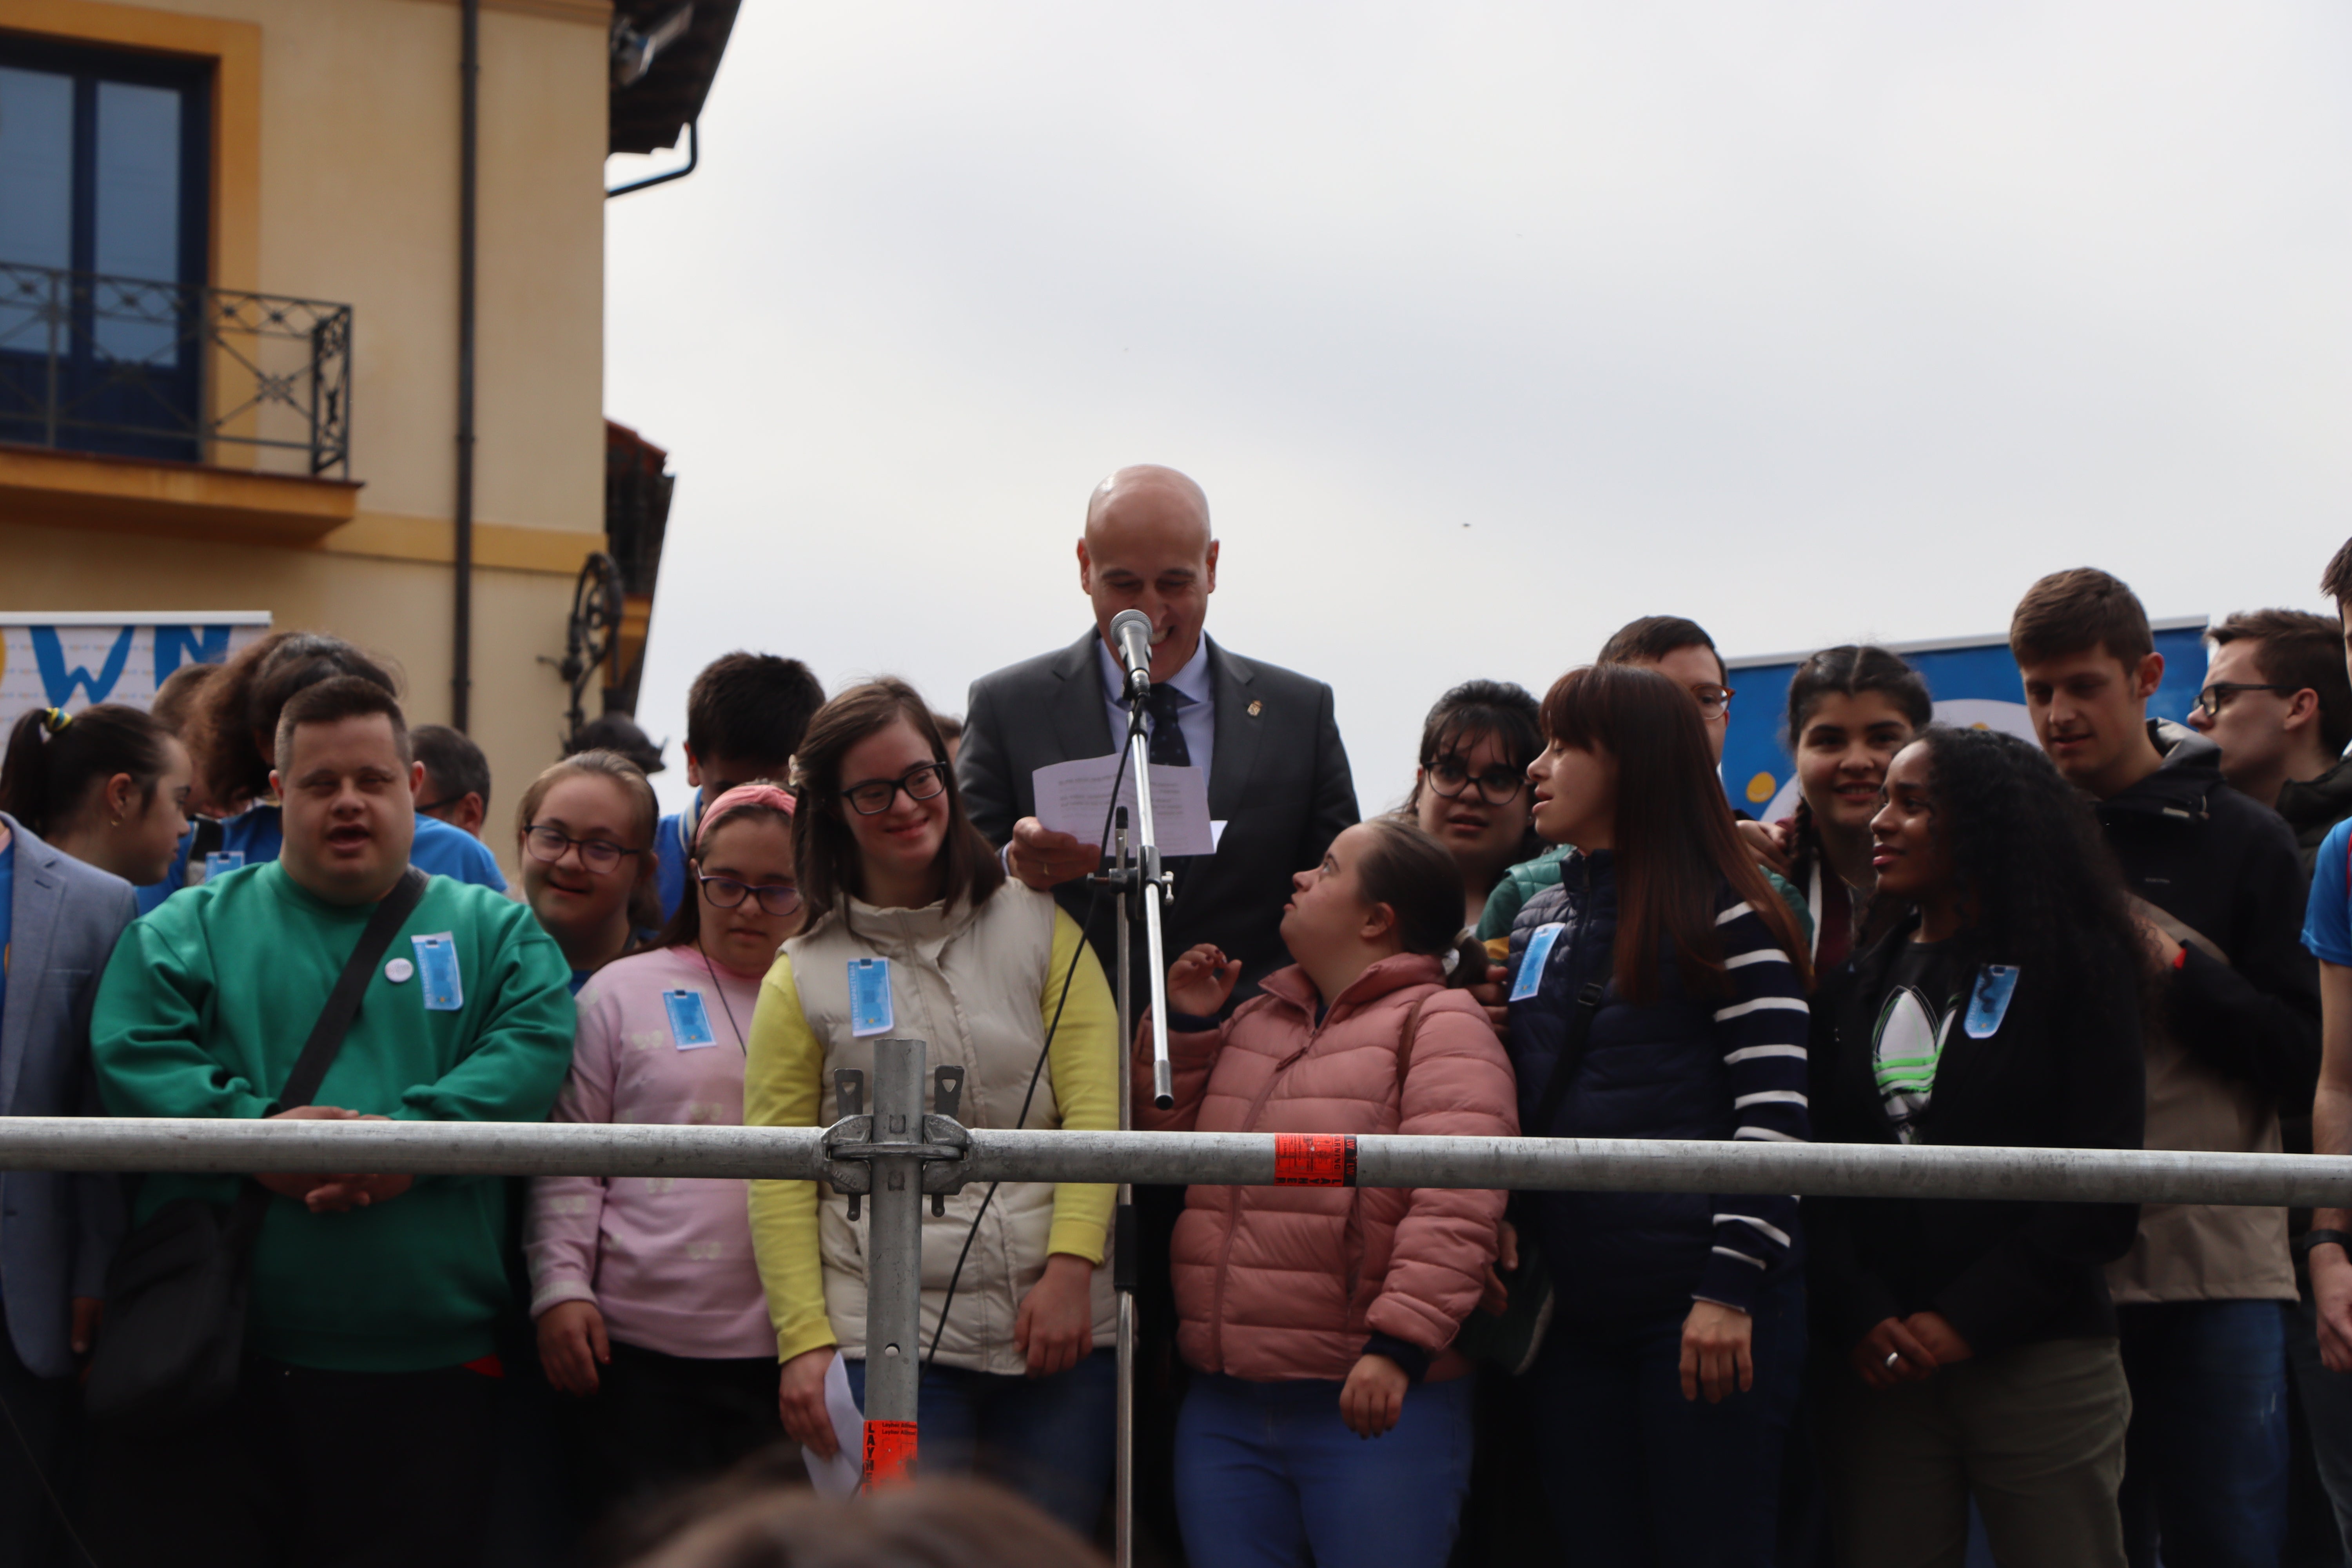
<point>1684,1066</point>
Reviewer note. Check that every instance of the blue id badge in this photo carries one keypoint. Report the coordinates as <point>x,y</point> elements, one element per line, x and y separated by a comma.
<point>1532,959</point>
<point>689,1020</point>
<point>870,997</point>
<point>1989,1001</point>
<point>436,961</point>
<point>223,860</point>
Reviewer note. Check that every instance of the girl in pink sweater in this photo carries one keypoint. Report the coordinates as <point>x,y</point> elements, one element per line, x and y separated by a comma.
<point>647,1300</point>
<point>1315,1317</point>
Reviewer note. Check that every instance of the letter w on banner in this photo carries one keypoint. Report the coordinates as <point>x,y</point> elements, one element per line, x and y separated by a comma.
<point>71,661</point>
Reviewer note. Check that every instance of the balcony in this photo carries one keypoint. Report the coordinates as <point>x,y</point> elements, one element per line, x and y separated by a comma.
<point>143,404</point>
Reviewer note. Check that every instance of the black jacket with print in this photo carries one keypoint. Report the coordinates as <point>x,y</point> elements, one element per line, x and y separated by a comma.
<point>2002,1273</point>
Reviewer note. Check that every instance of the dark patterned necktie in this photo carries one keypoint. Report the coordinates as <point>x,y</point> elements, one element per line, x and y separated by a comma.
<point>1168,747</point>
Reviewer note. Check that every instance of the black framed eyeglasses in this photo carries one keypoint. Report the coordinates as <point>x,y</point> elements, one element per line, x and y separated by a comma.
<point>547,844</point>
<point>728,893</point>
<point>2211,701</point>
<point>873,797</point>
<point>1496,786</point>
<point>1714,702</point>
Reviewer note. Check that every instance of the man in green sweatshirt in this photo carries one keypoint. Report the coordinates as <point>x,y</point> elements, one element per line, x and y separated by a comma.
<point>367,1405</point>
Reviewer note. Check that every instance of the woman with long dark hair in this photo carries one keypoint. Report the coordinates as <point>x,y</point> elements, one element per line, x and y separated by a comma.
<point>1977,1339</point>
<point>108,786</point>
<point>1658,991</point>
<point>1851,709</point>
<point>912,928</point>
<point>1470,792</point>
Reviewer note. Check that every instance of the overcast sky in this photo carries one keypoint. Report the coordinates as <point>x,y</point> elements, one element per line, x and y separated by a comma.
<point>1488,327</point>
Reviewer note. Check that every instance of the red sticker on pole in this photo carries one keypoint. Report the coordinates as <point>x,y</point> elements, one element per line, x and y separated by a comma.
<point>1314,1160</point>
<point>889,1454</point>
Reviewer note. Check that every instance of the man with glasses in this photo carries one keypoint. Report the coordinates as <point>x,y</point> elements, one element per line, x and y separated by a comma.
<point>2278,703</point>
<point>1277,774</point>
<point>457,787</point>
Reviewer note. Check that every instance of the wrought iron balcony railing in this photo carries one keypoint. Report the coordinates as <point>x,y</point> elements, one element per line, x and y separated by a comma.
<point>134,367</point>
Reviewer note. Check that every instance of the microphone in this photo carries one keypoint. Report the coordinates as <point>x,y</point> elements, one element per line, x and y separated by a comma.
<point>1131,635</point>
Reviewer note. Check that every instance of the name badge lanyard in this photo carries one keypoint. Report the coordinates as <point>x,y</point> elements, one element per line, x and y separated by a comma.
<point>725,1005</point>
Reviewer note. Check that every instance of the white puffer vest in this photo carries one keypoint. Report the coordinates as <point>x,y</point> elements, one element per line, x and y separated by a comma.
<point>969,985</point>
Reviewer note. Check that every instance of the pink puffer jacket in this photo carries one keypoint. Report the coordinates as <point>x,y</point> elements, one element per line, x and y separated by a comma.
<point>1276,1283</point>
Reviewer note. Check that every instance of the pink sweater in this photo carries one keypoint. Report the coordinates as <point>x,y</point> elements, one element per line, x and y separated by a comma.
<point>667,1259</point>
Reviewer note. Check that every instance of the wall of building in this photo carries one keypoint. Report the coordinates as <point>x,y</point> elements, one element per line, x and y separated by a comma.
<point>344,188</point>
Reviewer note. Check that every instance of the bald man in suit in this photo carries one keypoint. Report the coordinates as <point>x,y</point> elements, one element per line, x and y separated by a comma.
<point>1277,774</point>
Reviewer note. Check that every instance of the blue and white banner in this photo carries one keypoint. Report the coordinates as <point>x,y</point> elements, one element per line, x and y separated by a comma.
<point>71,661</point>
<point>1973,680</point>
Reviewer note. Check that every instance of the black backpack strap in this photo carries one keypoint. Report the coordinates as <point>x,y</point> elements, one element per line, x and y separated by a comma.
<point>335,1018</point>
<point>1571,1053</point>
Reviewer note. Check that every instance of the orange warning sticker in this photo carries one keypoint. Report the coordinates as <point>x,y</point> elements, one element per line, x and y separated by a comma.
<point>1314,1160</point>
<point>889,1453</point>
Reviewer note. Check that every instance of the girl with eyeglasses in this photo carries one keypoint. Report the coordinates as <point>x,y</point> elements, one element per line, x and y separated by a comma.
<point>914,929</point>
<point>646,1291</point>
<point>1470,792</point>
<point>584,833</point>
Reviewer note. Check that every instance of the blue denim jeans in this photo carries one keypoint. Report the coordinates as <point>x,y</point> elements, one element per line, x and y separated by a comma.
<point>2205,1460</point>
<point>1267,1475</point>
<point>1640,1476</point>
<point>1052,1439</point>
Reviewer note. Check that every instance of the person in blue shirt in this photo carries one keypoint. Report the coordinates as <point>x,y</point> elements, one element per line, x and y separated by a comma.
<point>232,733</point>
<point>744,717</point>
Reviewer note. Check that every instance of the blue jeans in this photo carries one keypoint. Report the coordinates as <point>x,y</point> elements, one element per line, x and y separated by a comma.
<point>1052,1439</point>
<point>2205,1460</point>
<point>1641,1477</point>
<point>1267,1475</point>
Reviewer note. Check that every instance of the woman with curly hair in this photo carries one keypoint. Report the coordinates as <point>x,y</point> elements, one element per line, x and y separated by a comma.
<point>2004,1009</point>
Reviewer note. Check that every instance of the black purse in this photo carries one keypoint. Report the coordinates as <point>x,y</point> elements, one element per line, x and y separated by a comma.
<point>173,1339</point>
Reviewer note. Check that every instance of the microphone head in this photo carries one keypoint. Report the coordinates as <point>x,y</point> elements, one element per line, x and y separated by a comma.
<point>1130,634</point>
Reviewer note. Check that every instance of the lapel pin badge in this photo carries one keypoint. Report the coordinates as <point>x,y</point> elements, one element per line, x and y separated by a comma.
<point>1254,707</point>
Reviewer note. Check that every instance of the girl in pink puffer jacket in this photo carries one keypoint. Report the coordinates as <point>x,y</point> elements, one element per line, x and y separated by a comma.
<point>1315,1316</point>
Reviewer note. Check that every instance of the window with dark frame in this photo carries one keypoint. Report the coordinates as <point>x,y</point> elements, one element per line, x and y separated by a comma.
<point>105,174</point>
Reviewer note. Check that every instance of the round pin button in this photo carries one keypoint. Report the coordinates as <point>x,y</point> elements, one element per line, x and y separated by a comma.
<point>398,970</point>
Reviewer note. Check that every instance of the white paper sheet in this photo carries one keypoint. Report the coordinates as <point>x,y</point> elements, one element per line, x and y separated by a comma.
<point>839,1476</point>
<point>1074,797</point>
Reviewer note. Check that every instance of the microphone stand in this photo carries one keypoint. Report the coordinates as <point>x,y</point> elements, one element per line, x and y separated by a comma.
<point>1142,889</point>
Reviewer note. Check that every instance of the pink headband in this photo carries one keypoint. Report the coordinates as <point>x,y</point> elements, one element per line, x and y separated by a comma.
<point>735,800</point>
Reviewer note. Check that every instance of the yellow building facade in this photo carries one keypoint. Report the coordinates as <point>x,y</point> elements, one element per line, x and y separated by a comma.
<point>330,171</point>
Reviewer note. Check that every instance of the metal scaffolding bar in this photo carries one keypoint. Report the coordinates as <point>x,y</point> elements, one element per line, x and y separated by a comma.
<point>1524,1165</point>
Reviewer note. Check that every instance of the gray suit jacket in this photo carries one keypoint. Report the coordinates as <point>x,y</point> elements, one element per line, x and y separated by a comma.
<point>57,1229</point>
<point>1279,779</point>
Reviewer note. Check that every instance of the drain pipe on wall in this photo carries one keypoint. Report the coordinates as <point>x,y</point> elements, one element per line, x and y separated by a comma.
<point>470,73</point>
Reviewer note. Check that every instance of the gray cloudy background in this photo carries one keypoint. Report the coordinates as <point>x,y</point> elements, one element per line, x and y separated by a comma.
<point>1488,327</point>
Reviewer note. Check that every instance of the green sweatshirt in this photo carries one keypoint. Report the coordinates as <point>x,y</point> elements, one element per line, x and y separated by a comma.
<point>201,1012</point>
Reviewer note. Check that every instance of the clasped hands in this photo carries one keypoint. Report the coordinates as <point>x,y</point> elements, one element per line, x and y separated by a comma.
<point>1908,1350</point>
<point>326,1193</point>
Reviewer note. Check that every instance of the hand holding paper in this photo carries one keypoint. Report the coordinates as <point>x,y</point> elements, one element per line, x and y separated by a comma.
<point>1074,797</point>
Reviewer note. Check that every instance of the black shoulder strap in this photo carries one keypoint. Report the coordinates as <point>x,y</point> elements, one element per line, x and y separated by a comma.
<point>335,1018</point>
<point>1571,1053</point>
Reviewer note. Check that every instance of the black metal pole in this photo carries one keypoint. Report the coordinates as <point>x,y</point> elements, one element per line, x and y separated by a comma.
<point>470,74</point>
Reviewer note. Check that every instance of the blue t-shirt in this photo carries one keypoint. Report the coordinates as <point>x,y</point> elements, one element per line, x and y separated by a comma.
<point>258,834</point>
<point>672,839</point>
<point>8,911</point>
<point>2327,918</point>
